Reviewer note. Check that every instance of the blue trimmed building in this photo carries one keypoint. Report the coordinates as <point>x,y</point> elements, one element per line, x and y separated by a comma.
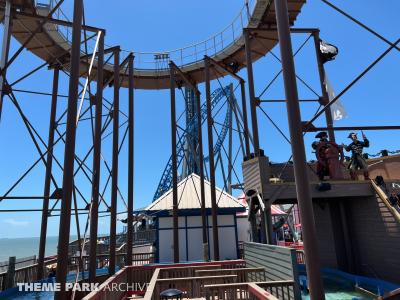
<point>190,224</point>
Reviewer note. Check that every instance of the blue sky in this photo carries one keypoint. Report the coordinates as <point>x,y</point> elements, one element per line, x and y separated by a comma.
<point>161,25</point>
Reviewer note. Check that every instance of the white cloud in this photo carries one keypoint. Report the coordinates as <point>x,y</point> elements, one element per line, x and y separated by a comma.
<point>14,222</point>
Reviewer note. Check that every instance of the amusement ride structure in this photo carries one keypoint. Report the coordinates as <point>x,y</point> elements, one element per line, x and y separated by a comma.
<point>70,47</point>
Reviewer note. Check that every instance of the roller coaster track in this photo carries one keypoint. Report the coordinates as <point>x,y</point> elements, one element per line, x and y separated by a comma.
<point>53,42</point>
<point>165,183</point>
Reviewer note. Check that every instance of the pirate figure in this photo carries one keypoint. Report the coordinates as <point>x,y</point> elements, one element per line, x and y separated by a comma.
<point>357,161</point>
<point>330,157</point>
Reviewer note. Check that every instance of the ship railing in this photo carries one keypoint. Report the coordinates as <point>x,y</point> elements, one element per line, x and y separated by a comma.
<point>268,290</point>
<point>219,284</point>
<point>243,274</point>
<point>145,278</point>
<point>144,236</point>
<point>108,293</point>
<point>192,287</point>
<point>238,291</point>
<point>138,259</point>
<point>185,271</point>
<point>280,289</point>
<point>191,281</point>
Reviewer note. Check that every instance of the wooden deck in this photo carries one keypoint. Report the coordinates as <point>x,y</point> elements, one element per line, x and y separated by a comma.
<point>228,280</point>
<point>285,193</point>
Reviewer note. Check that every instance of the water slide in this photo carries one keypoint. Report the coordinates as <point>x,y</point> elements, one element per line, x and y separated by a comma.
<point>52,43</point>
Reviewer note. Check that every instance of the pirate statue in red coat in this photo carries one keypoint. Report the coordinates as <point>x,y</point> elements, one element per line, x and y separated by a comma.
<point>330,157</point>
<point>357,161</point>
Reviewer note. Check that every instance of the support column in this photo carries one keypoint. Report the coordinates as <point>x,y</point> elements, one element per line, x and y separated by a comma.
<point>325,96</point>
<point>129,240</point>
<point>299,156</point>
<point>266,230</point>
<point>96,163</point>
<point>47,181</point>
<point>269,232</point>
<point>114,182</point>
<point>211,161</point>
<point>69,155</point>
<point>253,104</point>
<point>245,124</point>
<point>174,167</point>
<point>230,136</point>
<point>263,227</point>
<point>10,276</point>
<point>78,232</point>
<point>5,50</point>
<point>206,255</point>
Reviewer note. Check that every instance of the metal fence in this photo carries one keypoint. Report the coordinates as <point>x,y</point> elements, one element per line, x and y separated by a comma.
<point>19,263</point>
<point>184,56</point>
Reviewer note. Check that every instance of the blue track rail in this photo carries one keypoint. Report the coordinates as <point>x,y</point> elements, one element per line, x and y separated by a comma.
<point>165,183</point>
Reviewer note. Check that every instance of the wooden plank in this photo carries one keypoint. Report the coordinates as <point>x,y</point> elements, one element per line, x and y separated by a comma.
<point>152,285</point>
<point>275,274</point>
<point>255,269</point>
<point>269,254</point>
<point>338,190</point>
<point>256,259</point>
<point>260,293</point>
<point>282,261</point>
<point>280,264</point>
<point>252,245</point>
<point>196,278</point>
<point>10,273</point>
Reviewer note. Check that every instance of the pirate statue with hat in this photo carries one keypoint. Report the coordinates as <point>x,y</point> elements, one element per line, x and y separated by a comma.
<point>357,161</point>
<point>330,157</point>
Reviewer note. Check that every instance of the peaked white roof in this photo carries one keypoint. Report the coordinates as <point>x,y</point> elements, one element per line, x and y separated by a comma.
<point>189,196</point>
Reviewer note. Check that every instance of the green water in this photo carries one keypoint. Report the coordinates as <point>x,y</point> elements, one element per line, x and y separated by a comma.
<point>337,288</point>
<point>343,295</point>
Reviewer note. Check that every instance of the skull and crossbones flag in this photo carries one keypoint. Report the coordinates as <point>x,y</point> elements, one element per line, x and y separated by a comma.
<point>337,108</point>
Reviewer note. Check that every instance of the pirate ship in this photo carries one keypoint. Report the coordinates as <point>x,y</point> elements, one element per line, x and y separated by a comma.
<point>186,243</point>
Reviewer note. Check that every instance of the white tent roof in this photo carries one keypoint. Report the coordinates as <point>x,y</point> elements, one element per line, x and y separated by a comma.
<point>189,196</point>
